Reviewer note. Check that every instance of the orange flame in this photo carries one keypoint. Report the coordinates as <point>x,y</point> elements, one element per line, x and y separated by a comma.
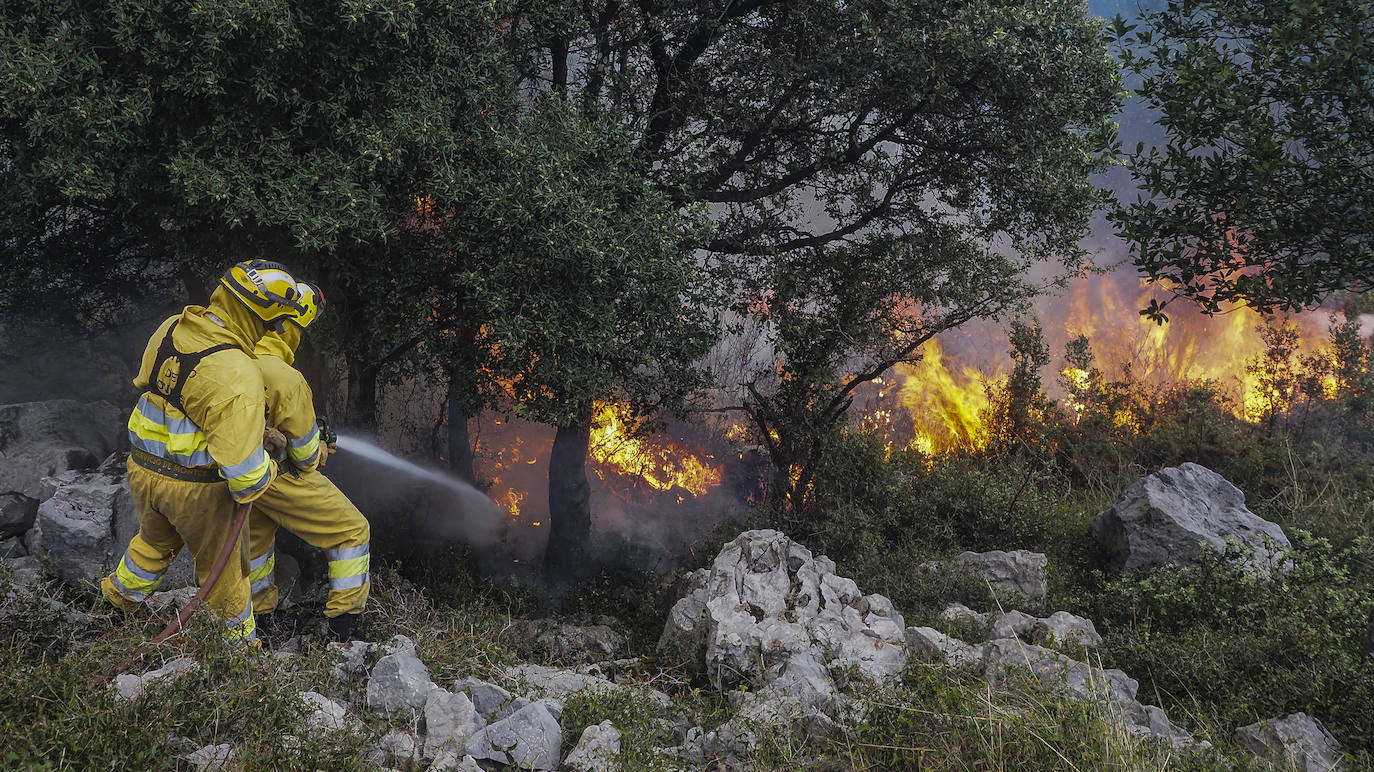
<point>655,460</point>
<point>947,403</point>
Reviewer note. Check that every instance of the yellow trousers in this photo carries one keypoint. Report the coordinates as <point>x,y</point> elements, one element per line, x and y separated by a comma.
<point>198,515</point>
<point>313,508</point>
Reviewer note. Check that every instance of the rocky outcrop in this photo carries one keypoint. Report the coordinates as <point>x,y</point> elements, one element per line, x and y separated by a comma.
<point>1113,688</point>
<point>83,527</point>
<point>773,615</point>
<point>530,739</point>
<point>930,645</point>
<point>1297,741</point>
<point>1019,575</point>
<point>565,643</point>
<point>399,679</point>
<point>1064,629</point>
<point>596,751</point>
<point>76,525</point>
<point>130,687</point>
<point>450,719</point>
<point>1170,516</point>
<point>41,439</point>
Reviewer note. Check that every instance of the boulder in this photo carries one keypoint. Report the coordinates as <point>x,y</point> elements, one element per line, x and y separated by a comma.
<point>84,526</point>
<point>596,751</point>
<point>487,699</point>
<point>780,619</point>
<point>352,658</point>
<point>326,715</point>
<point>555,685</point>
<point>399,745</point>
<point>530,738</point>
<point>17,513</point>
<point>1168,517</point>
<point>398,681</point>
<point>1113,688</point>
<point>75,526</point>
<point>1055,668</point>
<point>768,600</point>
<point>686,629</point>
<point>1012,576</point>
<point>130,687</point>
<point>450,719</point>
<point>959,614</point>
<point>451,762</point>
<point>1064,629</point>
<point>1297,741</point>
<point>40,439</point>
<point>1013,624</point>
<point>13,547</point>
<point>567,643</point>
<point>215,758</point>
<point>930,645</point>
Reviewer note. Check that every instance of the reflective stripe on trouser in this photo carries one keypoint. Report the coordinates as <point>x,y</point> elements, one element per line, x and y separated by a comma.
<point>200,515</point>
<point>313,508</point>
<point>262,560</point>
<point>139,571</point>
<point>242,628</point>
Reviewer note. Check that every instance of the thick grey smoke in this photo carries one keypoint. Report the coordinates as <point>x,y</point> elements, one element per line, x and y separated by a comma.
<point>413,510</point>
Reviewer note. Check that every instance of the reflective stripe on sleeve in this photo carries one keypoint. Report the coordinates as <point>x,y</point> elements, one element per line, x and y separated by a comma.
<point>248,476</point>
<point>305,450</point>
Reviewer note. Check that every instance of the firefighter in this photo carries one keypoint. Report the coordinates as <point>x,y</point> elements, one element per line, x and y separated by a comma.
<point>302,500</point>
<point>197,437</point>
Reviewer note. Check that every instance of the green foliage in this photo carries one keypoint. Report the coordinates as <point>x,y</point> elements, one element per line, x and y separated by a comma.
<point>637,717</point>
<point>1260,191</point>
<point>571,276</point>
<point>1231,646</point>
<point>158,139</point>
<point>942,719</point>
<point>1019,408</point>
<point>52,718</point>
<point>879,517</point>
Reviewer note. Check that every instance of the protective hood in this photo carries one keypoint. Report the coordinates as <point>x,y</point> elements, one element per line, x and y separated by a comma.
<point>240,321</point>
<point>281,345</point>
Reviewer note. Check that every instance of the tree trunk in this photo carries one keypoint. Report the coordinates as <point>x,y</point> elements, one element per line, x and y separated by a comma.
<point>570,513</point>
<point>361,402</point>
<point>460,459</point>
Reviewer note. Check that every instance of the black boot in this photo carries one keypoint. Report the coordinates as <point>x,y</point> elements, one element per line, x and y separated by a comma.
<point>344,628</point>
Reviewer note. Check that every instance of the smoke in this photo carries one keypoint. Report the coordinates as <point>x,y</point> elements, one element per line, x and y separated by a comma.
<point>44,361</point>
<point>414,511</point>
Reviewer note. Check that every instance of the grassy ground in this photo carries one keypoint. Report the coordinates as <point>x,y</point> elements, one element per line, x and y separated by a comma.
<point>935,718</point>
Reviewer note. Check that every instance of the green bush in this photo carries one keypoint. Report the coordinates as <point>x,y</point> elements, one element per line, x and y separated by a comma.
<point>939,718</point>
<point>878,516</point>
<point>1230,646</point>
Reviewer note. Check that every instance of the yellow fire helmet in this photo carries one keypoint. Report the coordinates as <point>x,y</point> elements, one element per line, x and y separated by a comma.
<point>267,288</point>
<point>313,300</point>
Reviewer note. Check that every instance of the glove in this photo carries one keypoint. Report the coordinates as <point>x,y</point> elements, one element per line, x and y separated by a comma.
<point>274,442</point>
<point>326,450</point>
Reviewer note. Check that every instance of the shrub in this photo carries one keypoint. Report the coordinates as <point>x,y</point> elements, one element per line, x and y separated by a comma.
<point>1232,646</point>
<point>879,516</point>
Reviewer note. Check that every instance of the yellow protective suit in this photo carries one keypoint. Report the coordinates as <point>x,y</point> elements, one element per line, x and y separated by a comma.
<point>190,466</point>
<point>304,501</point>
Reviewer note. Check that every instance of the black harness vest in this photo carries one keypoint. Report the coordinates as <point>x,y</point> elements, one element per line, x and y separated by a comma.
<point>173,367</point>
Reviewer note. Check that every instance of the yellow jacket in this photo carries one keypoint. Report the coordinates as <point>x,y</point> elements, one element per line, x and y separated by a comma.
<point>223,400</point>
<point>290,405</point>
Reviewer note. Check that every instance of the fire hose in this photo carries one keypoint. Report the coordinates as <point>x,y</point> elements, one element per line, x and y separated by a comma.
<point>240,517</point>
